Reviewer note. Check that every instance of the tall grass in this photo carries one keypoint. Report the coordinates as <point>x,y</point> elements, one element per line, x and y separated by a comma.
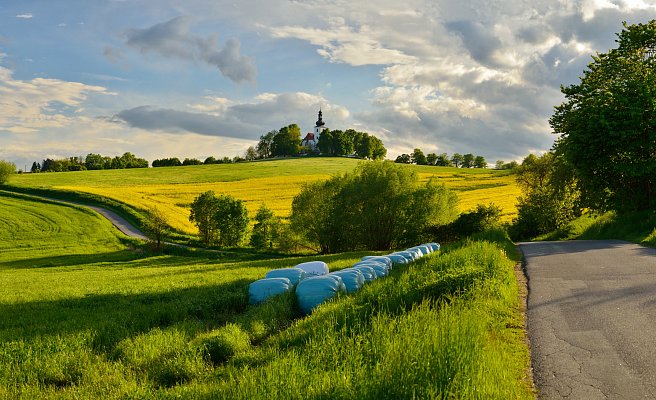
<point>444,327</point>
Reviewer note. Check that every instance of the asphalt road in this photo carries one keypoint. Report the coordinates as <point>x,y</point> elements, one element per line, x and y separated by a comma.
<point>592,319</point>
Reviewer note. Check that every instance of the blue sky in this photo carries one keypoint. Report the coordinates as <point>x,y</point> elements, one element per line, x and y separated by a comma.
<point>197,78</point>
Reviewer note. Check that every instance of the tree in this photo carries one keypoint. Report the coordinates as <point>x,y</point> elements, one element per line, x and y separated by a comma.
<point>264,147</point>
<point>468,160</point>
<point>479,162</point>
<point>94,161</point>
<point>192,161</point>
<point>403,159</point>
<point>203,209</point>
<point>266,229</point>
<point>209,160</point>
<point>325,143</point>
<point>378,150</point>
<point>287,141</point>
<point>36,167</point>
<point>7,169</point>
<point>156,226</point>
<point>443,160</point>
<point>607,124</point>
<point>499,164</point>
<point>550,196</point>
<point>457,159</point>
<point>418,157</point>
<point>431,158</point>
<point>250,154</point>
<point>231,219</point>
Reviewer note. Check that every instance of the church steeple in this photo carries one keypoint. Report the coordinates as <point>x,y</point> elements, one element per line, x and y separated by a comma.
<point>320,121</point>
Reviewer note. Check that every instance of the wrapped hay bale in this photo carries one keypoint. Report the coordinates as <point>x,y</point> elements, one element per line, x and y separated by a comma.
<point>368,272</point>
<point>397,259</point>
<point>409,255</point>
<point>295,275</point>
<point>383,259</point>
<point>434,246</point>
<point>418,253</point>
<point>262,289</point>
<point>314,268</point>
<point>353,279</point>
<point>380,269</point>
<point>313,291</point>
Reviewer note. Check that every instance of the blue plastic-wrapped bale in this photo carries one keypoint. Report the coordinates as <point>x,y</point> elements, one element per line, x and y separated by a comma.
<point>261,290</point>
<point>367,271</point>
<point>411,256</point>
<point>314,268</point>
<point>295,275</point>
<point>315,290</point>
<point>418,253</point>
<point>385,260</point>
<point>423,250</point>
<point>380,270</point>
<point>434,246</point>
<point>353,279</point>
<point>397,259</point>
<point>371,263</point>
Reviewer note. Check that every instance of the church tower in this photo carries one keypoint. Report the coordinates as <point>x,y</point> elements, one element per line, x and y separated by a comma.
<point>319,127</point>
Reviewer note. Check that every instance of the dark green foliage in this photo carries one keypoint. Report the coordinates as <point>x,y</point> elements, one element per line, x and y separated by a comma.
<point>167,162</point>
<point>479,162</point>
<point>403,159</point>
<point>266,230</point>
<point>7,169</point>
<point>482,219</point>
<point>550,199</point>
<point>379,206</point>
<point>221,220</point>
<point>457,160</point>
<point>192,161</point>
<point>468,160</point>
<point>287,142</point>
<point>418,157</point>
<point>607,124</point>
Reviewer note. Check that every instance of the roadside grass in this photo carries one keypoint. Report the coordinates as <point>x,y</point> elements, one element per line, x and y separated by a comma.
<point>637,227</point>
<point>172,189</point>
<point>171,326</point>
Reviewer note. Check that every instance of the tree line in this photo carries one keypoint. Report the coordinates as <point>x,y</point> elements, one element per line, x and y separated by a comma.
<point>442,160</point>
<point>90,162</point>
<point>287,142</point>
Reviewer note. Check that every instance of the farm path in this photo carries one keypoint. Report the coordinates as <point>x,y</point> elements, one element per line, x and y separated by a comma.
<point>592,319</point>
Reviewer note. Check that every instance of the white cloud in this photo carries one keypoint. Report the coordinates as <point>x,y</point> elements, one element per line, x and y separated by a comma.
<point>30,106</point>
<point>25,16</point>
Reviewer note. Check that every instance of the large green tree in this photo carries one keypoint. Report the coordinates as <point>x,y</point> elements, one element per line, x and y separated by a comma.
<point>231,219</point>
<point>203,209</point>
<point>608,124</point>
<point>266,229</point>
<point>287,142</point>
<point>378,206</point>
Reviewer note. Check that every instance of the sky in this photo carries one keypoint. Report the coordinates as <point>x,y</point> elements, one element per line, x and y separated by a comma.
<point>194,78</point>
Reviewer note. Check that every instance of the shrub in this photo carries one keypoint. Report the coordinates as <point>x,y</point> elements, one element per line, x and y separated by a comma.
<point>6,170</point>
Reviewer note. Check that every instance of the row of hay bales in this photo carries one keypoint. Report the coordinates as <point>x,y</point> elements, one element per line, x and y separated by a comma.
<point>314,283</point>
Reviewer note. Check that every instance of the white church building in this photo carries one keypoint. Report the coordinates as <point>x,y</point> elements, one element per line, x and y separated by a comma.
<point>311,140</point>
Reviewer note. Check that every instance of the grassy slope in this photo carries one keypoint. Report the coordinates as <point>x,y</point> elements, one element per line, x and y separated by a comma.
<point>108,327</point>
<point>637,227</point>
<point>272,182</point>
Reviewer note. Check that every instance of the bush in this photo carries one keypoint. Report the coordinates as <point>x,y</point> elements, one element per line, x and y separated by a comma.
<point>481,219</point>
<point>379,206</point>
<point>6,170</point>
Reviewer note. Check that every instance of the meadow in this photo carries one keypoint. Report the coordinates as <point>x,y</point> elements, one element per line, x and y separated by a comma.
<point>108,319</point>
<point>274,183</point>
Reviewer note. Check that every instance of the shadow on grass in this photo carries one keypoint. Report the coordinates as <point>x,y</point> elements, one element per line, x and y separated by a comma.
<point>114,317</point>
<point>71,260</point>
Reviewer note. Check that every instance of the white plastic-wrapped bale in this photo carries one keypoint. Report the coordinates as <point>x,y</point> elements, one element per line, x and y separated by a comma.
<point>380,270</point>
<point>422,249</point>
<point>383,259</point>
<point>353,279</point>
<point>410,255</point>
<point>314,268</point>
<point>397,259</point>
<point>313,291</point>
<point>295,275</point>
<point>367,271</point>
<point>262,289</point>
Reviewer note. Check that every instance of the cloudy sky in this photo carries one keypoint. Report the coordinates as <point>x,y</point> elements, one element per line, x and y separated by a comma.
<point>193,78</point>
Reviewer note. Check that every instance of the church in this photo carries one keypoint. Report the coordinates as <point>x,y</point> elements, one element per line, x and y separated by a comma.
<point>311,140</point>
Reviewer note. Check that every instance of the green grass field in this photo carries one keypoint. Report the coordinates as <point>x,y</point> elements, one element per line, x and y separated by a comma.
<point>274,183</point>
<point>85,315</point>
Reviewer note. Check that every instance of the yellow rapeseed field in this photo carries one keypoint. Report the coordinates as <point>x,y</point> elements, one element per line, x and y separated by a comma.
<point>173,199</point>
